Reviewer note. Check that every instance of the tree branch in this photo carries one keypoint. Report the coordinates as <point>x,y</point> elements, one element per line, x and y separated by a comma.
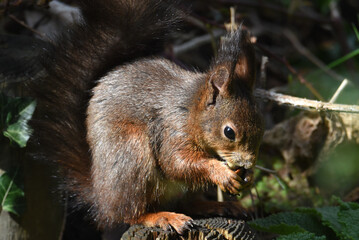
<point>303,103</point>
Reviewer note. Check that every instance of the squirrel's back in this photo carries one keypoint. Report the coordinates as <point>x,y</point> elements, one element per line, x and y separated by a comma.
<point>110,33</point>
<point>150,83</point>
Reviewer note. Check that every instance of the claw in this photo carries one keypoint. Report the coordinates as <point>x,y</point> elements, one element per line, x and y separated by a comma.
<point>187,227</point>
<point>190,223</point>
<point>193,224</point>
<point>171,228</point>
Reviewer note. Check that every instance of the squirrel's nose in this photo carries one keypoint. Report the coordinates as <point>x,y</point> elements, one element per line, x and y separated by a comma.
<point>247,160</point>
<point>247,164</point>
<point>242,159</point>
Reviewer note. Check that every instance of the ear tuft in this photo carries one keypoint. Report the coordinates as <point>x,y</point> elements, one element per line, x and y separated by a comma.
<point>237,55</point>
<point>245,69</point>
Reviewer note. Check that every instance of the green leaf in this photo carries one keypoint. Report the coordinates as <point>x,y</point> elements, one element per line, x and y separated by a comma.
<point>342,219</point>
<point>278,228</point>
<point>301,236</point>
<point>345,205</point>
<point>17,128</point>
<point>349,220</point>
<point>343,59</point>
<point>11,196</point>
<point>355,31</point>
<point>329,216</point>
<point>331,222</point>
<point>281,182</point>
<point>290,222</point>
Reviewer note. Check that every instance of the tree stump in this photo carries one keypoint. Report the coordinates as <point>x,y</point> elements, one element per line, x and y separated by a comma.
<point>209,228</point>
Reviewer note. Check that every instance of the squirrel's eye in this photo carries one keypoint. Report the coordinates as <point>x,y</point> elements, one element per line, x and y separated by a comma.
<point>229,133</point>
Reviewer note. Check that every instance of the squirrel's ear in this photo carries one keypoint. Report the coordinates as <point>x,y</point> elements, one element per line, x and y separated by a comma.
<point>219,79</point>
<point>217,82</point>
<point>234,67</point>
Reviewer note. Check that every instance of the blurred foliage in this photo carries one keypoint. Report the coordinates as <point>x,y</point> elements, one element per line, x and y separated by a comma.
<point>338,172</point>
<point>282,192</point>
<point>332,222</point>
<point>350,95</point>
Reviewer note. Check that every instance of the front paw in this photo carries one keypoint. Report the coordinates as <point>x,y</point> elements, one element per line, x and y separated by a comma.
<point>167,221</point>
<point>227,179</point>
<point>246,175</point>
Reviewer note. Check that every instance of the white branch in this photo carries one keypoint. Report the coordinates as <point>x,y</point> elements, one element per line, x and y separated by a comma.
<point>303,103</point>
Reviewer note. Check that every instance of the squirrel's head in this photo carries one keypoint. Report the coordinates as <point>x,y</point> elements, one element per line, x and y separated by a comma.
<point>230,126</point>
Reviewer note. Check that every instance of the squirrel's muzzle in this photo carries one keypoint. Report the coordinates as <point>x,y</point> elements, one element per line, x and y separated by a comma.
<point>241,160</point>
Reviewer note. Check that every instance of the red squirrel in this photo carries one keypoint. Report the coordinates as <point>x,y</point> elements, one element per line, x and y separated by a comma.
<point>131,131</point>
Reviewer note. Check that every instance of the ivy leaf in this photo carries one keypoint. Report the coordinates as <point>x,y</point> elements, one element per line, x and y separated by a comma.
<point>11,196</point>
<point>19,112</point>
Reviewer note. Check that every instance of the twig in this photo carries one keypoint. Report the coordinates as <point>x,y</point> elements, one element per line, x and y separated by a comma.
<point>220,197</point>
<point>195,19</point>
<point>303,103</point>
<point>274,173</point>
<point>279,181</point>
<point>294,72</point>
<point>263,75</point>
<point>213,41</point>
<point>7,3</point>
<point>262,5</point>
<point>339,90</point>
<point>337,23</point>
<point>253,206</point>
<point>232,26</point>
<point>305,52</point>
<point>259,200</point>
<point>63,223</point>
<point>303,80</point>
<point>28,27</point>
<point>233,18</point>
<point>194,43</point>
<point>266,170</point>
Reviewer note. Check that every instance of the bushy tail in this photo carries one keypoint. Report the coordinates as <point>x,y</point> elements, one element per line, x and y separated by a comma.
<point>111,33</point>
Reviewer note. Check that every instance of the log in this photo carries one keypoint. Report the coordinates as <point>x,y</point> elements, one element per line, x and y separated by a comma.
<point>209,228</point>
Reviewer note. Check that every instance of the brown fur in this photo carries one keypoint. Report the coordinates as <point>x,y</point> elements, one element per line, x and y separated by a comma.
<point>126,141</point>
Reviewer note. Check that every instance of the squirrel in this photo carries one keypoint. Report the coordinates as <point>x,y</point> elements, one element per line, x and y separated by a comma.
<point>129,130</point>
